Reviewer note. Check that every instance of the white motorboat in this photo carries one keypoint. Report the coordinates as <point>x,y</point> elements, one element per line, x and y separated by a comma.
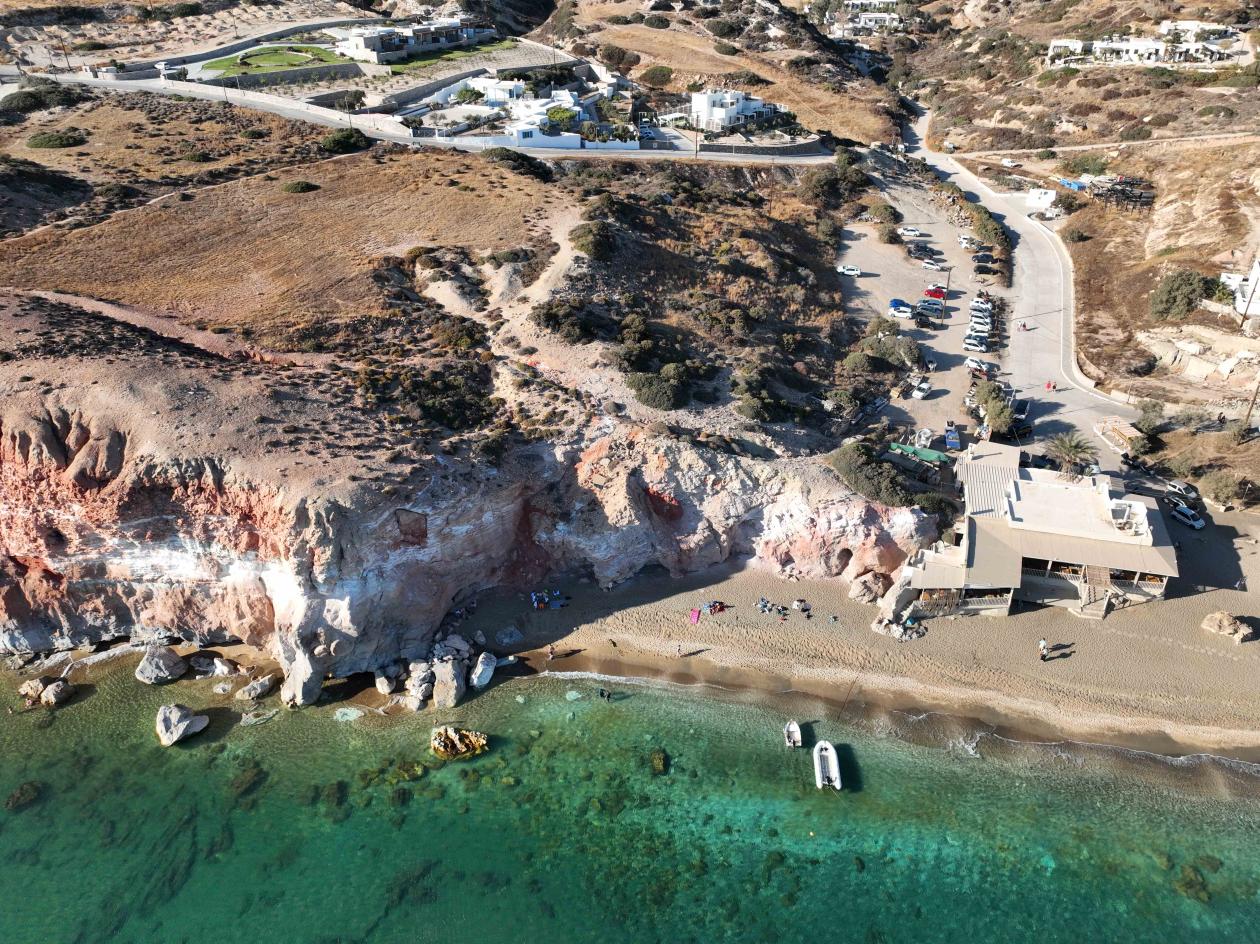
<point>826,766</point>
<point>792,734</point>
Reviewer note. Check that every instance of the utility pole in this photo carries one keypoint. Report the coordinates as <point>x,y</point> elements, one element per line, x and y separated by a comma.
<point>1252,406</point>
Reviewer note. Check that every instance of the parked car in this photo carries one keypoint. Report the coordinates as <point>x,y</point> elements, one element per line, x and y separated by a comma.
<point>1183,490</point>
<point>1187,516</point>
<point>937,293</point>
<point>931,304</point>
<point>933,265</point>
<point>1018,433</point>
<point>921,389</point>
<point>1020,409</point>
<point>944,288</point>
<point>981,257</point>
<point>909,231</point>
<point>900,311</point>
<point>979,304</point>
<point>923,321</point>
<point>985,270</point>
<point>974,363</point>
<point>849,270</point>
<point>1007,162</point>
<point>931,364</point>
<point>976,346</point>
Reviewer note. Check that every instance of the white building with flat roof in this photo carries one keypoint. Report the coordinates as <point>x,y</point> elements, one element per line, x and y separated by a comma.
<point>386,44</point>
<point>1039,536</point>
<point>724,109</point>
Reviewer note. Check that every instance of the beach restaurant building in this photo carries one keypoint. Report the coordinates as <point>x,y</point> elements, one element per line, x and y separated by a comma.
<point>1038,536</point>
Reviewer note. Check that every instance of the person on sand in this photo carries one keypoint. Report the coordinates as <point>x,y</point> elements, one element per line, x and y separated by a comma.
<point>1044,649</point>
<point>680,650</point>
<point>551,651</point>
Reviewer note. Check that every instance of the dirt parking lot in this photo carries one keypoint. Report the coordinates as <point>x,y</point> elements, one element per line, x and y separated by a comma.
<point>888,273</point>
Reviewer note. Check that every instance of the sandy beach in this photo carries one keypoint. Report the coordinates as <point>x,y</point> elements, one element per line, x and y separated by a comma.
<point>1148,677</point>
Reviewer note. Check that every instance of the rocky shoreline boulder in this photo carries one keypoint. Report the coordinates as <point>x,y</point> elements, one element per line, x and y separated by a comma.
<point>161,664</point>
<point>448,683</point>
<point>176,722</point>
<point>258,688</point>
<point>483,671</point>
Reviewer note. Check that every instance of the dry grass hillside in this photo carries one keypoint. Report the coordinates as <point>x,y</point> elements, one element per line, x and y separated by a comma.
<point>282,266</point>
<point>139,146</point>
<point>985,78</point>
<point>788,60</point>
<point>1206,217</point>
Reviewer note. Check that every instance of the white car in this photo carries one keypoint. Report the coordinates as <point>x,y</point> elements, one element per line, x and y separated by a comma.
<point>909,232</point>
<point>976,345</point>
<point>1007,162</point>
<point>933,265</point>
<point>921,389</point>
<point>981,320</point>
<point>900,311</point>
<point>849,270</point>
<point>974,363</point>
<point>1186,515</point>
<point>980,305</point>
<point>937,285</point>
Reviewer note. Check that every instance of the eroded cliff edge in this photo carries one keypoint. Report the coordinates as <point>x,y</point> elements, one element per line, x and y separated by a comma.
<point>150,488</point>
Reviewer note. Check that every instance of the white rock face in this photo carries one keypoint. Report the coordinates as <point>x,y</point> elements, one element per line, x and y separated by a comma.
<point>176,722</point>
<point>483,671</point>
<point>161,664</point>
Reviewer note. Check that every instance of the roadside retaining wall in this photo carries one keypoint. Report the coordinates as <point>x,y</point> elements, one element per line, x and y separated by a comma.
<point>241,45</point>
<point>331,70</point>
<point>428,88</point>
<point>804,147</point>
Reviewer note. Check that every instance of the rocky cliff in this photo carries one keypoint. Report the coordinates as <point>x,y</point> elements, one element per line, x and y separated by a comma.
<point>137,499</point>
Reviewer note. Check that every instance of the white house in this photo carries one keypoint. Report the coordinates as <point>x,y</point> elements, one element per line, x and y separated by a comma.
<point>385,44</point>
<point>1177,42</point>
<point>723,109</point>
<point>1246,289</point>
<point>870,6</point>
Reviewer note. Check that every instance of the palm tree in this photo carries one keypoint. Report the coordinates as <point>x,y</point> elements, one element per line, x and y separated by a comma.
<point>1069,450</point>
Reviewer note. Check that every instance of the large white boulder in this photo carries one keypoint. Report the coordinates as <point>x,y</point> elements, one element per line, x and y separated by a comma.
<point>448,683</point>
<point>56,693</point>
<point>483,671</point>
<point>176,722</point>
<point>258,688</point>
<point>161,664</point>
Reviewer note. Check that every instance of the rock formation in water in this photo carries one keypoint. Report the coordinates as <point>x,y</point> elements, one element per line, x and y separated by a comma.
<point>152,497</point>
<point>176,722</point>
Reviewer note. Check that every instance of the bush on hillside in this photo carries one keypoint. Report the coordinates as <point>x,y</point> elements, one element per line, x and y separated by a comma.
<point>888,234</point>
<point>595,239</point>
<point>345,141</point>
<point>873,480</point>
<point>656,76</point>
<point>40,96</point>
<point>664,390</point>
<point>1180,293</point>
<point>1220,486</point>
<point>724,29</point>
<point>725,49</point>
<point>65,138</point>
<point>656,21</point>
<point>617,58</point>
<point>519,163</point>
<point>299,186</point>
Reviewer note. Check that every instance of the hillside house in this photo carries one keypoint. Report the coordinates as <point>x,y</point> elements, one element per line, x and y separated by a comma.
<point>386,44</point>
<point>723,110</point>
<point>1037,536</point>
<point>1179,41</point>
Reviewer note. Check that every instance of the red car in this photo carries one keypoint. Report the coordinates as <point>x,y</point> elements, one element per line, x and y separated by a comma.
<point>937,293</point>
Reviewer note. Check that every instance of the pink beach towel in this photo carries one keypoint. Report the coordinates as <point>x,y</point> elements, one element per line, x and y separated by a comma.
<point>695,617</point>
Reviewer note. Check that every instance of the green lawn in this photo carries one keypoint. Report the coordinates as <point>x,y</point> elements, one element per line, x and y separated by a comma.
<point>273,59</point>
<point>448,55</point>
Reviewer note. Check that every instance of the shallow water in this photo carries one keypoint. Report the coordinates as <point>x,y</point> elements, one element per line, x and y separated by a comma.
<point>306,829</point>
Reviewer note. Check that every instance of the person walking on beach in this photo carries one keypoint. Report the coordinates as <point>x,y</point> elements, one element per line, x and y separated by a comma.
<point>680,650</point>
<point>551,651</point>
<point>1044,649</point>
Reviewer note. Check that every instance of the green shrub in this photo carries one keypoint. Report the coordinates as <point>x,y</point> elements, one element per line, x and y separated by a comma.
<point>572,323</point>
<point>938,505</point>
<point>1045,154</point>
<point>884,213</point>
<point>41,95</point>
<point>1135,132</point>
<point>89,45</point>
<point>1179,293</point>
<point>725,49</point>
<point>746,77</point>
<point>519,163</point>
<point>617,58</point>
<point>724,29</point>
<point>1217,111</point>
<point>888,234</point>
<point>345,141</point>
<point>299,186</point>
<point>595,239</point>
<point>467,96</point>
<point>1220,486</point>
<point>830,186</point>
<point>656,21</point>
<point>68,137</point>
<point>1085,164</point>
<point>858,362</point>
<point>1075,235</point>
<point>617,19</point>
<point>664,390</point>
<point>197,157</point>
<point>255,134</point>
<point>656,76</point>
<point>873,480</point>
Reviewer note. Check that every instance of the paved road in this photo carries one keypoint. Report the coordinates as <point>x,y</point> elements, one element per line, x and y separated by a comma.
<point>1042,296</point>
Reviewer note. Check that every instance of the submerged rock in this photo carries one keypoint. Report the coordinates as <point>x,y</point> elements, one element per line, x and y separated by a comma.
<point>449,743</point>
<point>483,671</point>
<point>176,722</point>
<point>24,795</point>
<point>659,761</point>
<point>32,689</point>
<point>161,664</point>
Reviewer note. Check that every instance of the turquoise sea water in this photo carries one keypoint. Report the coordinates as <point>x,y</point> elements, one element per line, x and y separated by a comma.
<point>308,829</point>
